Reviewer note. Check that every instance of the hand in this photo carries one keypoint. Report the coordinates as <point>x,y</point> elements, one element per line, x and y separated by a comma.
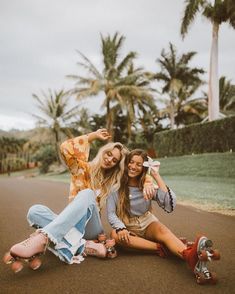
<point>102,134</point>
<point>149,191</point>
<point>154,170</point>
<point>123,236</point>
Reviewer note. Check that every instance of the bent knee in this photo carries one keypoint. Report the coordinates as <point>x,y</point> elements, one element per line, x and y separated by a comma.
<point>87,194</point>
<point>33,212</point>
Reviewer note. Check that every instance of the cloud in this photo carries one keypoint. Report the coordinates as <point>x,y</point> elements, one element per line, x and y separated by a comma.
<point>39,39</point>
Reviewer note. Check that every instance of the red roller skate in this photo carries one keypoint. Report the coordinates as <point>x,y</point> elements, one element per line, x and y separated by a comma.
<point>186,242</point>
<point>197,257</point>
<point>27,251</point>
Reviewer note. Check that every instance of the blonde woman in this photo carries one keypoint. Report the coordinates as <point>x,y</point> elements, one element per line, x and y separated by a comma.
<point>80,220</point>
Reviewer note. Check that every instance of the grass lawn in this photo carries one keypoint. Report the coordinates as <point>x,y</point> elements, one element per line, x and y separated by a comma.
<point>205,180</point>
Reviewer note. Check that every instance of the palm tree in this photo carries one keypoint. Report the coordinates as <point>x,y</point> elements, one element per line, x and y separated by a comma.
<point>118,80</point>
<point>56,114</point>
<point>177,77</point>
<point>221,11</point>
<point>226,96</point>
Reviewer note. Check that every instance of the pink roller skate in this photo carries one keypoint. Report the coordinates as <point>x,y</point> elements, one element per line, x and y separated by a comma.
<point>29,250</point>
<point>95,249</point>
<point>197,257</point>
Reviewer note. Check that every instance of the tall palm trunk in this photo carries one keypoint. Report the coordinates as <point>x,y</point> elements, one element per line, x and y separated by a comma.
<point>109,119</point>
<point>57,145</point>
<point>213,93</point>
<point>172,111</point>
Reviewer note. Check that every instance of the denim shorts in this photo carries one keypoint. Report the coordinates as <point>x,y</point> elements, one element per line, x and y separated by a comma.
<point>138,224</point>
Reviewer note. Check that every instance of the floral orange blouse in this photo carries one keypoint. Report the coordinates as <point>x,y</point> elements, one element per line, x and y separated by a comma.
<point>75,153</point>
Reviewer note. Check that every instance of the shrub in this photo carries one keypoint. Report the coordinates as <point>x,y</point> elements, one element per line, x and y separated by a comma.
<point>46,155</point>
<point>215,136</point>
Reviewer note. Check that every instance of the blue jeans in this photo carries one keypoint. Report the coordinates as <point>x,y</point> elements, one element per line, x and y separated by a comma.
<point>68,230</point>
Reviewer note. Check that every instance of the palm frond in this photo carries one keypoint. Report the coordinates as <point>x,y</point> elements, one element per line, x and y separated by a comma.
<point>190,11</point>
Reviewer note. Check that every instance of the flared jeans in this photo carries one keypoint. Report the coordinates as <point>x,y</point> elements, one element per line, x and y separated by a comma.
<point>69,230</point>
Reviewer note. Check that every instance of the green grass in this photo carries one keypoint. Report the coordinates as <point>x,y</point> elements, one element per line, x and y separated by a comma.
<point>220,165</point>
<point>63,177</point>
<point>205,180</point>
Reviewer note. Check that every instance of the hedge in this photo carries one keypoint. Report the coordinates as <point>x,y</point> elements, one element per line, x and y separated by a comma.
<point>215,136</point>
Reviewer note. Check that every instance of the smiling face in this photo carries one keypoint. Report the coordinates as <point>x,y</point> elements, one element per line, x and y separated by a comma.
<point>110,158</point>
<point>135,166</point>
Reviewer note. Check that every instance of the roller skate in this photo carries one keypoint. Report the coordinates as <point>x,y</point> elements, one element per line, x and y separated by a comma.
<point>27,251</point>
<point>197,257</point>
<point>186,242</point>
<point>95,249</point>
<point>111,251</point>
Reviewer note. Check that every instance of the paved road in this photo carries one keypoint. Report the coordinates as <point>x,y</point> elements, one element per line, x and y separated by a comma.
<point>131,272</point>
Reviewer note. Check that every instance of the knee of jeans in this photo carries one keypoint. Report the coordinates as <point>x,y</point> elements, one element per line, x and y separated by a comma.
<point>88,194</point>
<point>32,212</point>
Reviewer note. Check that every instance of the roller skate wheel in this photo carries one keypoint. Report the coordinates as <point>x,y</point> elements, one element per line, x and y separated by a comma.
<point>7,258</point>
<point>209,243</point>
<point>17,266</point>
<point>213,279</point>
<point>216,254</point>
<point>112,254</point>
<point>200,279</point>
<point>35,263</point>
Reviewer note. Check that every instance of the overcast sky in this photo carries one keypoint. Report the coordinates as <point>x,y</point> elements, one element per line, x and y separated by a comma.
<point>38,42</point>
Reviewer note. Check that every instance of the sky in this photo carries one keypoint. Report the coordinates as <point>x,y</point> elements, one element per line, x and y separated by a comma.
<point>39,40</point>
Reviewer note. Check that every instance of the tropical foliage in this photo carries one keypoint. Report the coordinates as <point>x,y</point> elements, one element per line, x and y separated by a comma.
<point>57,115</point>
<point>217,13</point>
<point>124,86</point>
<point>180,82</point>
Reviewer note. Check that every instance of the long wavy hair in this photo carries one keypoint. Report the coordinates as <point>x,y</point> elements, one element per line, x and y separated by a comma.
<point>107,180</point>
<point>123,207</point>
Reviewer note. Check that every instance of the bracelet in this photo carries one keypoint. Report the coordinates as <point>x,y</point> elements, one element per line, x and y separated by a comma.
<point>120,229</point>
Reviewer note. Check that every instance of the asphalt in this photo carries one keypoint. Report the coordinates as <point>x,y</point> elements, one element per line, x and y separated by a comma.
<point>131,272</point>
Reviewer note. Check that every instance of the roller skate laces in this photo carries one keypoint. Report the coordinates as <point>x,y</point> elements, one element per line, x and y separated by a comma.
<point>36,244</point>
<point>95,249</point>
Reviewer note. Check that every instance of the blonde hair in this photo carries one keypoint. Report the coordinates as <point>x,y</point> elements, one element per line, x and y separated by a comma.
<point>123,207</point>
<point>107,180</point>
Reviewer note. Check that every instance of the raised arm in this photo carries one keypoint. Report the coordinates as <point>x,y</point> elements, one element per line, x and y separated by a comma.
<point>164,196</point>
<point>75,151</point>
